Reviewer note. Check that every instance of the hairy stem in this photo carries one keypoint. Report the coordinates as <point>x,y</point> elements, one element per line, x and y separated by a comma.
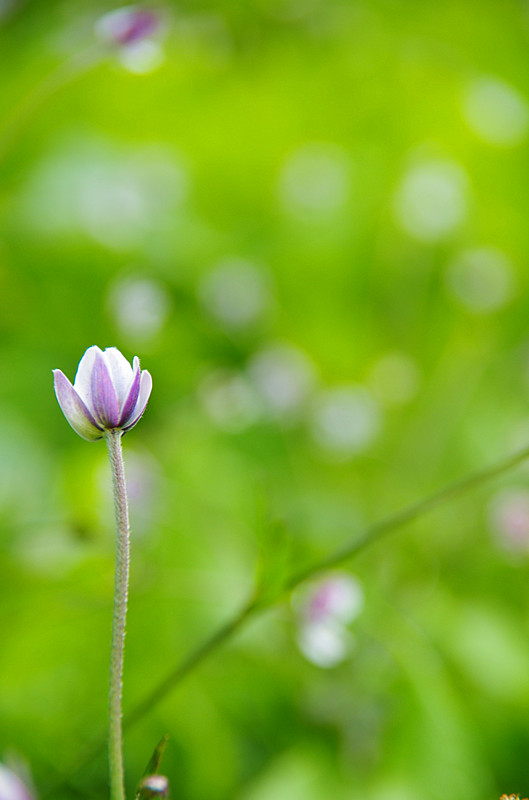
<point>121,589</point>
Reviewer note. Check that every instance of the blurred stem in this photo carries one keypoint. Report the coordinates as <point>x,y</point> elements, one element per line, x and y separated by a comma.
<point>194,658</point>
<point>409,514</point>
<point>121,589</point>
<point>360,542</point>
<point>61,76</point>
<point>255,605</point>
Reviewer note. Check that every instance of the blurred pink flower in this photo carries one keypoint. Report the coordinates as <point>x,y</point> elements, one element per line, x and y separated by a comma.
<point>325,608</point>
<point>338,597</point>
<point>508,516</point>
<point>127,25</point>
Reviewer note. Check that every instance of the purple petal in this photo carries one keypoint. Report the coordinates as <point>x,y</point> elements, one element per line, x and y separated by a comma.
<point>140,25</point>
<point>104,398</point>
<point>74,409</point>
<point>145,391</point>
<point>132,397</point>
<point>128,25</point>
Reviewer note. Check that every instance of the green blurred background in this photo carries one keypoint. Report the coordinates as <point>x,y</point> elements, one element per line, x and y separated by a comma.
<point>309,220</point>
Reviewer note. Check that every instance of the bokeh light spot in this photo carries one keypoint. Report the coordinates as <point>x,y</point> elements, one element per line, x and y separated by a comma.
<point>284,377</point>
<point>394,379</point>
<point>229,400</point>
<point>508,519</point>
<point>496,112</point>
<point>140,307</point>
<point>481,279</point>
<point>431,201</point>
<point>345,421</point>
<point>115,196</point>
<point>315,180</point>
<point>236,293</point>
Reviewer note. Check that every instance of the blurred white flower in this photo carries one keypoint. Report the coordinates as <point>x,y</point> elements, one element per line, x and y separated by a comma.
<point>229,400</point>
<point>284,376</point>
<point>431,201</point>
<point>325,644</point>
<point>236,293</point>
<point>140,308</point>
<point>315,180</point>
<point>496,111</point>
<point>345,420</point>
<point>142,58</point>
<point>481,279</point>
<point>394,379</point>
<point>508,519</point>
<point>324,608</point>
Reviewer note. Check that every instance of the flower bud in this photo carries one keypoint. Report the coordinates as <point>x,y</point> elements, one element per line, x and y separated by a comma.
<point>108,393</point>
<point>153,786</point>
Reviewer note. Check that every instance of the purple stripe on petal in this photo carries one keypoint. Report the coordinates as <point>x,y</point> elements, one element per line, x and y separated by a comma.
<point>74,409</point>
<point>104,398</point>
<point>145,391</point>
<point>132,396</point>
<point>139,25</point>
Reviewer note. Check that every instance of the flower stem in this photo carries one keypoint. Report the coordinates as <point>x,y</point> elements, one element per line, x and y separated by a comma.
<point>121,589</point>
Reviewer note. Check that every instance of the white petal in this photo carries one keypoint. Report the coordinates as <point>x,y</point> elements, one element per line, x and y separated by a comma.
<point>83,378</point>
<point>120,372</point>
<point>11,787</point>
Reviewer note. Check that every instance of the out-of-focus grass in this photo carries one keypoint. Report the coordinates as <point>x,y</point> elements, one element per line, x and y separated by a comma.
<point>310,223</point>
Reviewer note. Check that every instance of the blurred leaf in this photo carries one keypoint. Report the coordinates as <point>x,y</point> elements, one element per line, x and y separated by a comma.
<point>154,764</point>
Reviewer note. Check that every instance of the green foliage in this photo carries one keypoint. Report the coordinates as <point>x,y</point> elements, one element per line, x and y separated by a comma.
<point>310,222</point>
